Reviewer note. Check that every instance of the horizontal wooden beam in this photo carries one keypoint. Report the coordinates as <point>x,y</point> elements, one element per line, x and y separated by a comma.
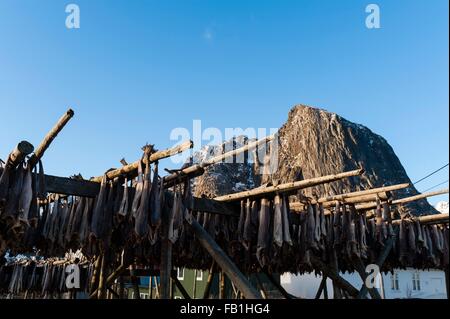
<point>131,169</point>
<point>428,219</point>
<point>299,206</point>
<point>405,200</point>
<point>283,188</point>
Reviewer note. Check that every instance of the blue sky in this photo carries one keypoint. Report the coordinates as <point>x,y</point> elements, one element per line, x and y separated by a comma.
<point>137,69</point>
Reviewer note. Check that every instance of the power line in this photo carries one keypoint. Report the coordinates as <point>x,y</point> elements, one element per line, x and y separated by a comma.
<point>435,186</point>
<point>431,174</point>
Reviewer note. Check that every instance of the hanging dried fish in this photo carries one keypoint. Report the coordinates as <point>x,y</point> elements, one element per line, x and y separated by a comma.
<point>33,215</point>
<point>123,209</point>
<point>41,192</point>
<point>241,223</point>
<point>411,238</point>
<point>278,222</point>
<point>247,232</point>
<point>418,230</point>
<point>381,226</point>
<point>436,238</point>
<point>141,226</point>
<point>99,210</point>
<point>286,222</point>
<point>4,185</point>
<point>387,218</point>
<point>86,221</point>
<point>317,223</point>
<point>175,223</point>
<point>311,228</point>
<point>403,240</point>
<point>445,255</point>
<point>65,214</point>
<point>26,196</point>
<point>353,243</point>
<point>138,191</point>
<point>263,233</point>
<point>155,199</point>
<point>12,203</point>
<point>337,225</point>
<point>362,236</point>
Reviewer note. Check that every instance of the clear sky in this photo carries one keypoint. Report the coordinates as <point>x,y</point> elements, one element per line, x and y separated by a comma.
<point>137,69</point>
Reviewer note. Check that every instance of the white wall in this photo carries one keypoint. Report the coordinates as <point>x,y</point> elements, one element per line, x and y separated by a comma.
<point>432,284</point>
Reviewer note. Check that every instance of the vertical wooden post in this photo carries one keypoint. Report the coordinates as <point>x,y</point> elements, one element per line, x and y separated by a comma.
<point>150,288</point>
<point>261,287</point>
<point>323,284</point>
<point>389,243</point>
<point>224,261</point>
<point>447,281</point>
<point>121,287</point>
<point>134,282</point>
<point>221,285</point>
<point>101,283</point>
<point>166,255</point>
<point>209,281</point>
<point>194,285</point>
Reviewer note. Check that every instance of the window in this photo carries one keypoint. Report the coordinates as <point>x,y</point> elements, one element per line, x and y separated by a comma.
<point>394,281</point>
<point>416,281</point>
<point>199,275</point>
<point>180,273</point>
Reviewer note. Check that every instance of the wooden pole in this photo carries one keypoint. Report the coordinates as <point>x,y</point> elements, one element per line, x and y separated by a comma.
<point>150,287</point>
<point>405,200</point>
<point>380,261</point>
<point>279,287</point>
<point>322,286</point>
<point>333,275</point>
<point>101,284</point>
<point>221,285</point>
<point>282,188</point>
<point>342,197</point>
<point>447,281</point>
<point>300,207</point>
<point>261,287</point>
<point>48,139</point>
<point>428,219</point>
<point>224,261</point>
<point>109,281</point>
<point>19,153</point>
<point>94,279</point>
<point>249,146</point>
<point>198,169</point>
<point>209,281</point>
<point>194,285</point>
<point>180,287</point>
<point>166,255</point>
<point>134,282</point>
<point>359,266</point>
<point>131,169</point>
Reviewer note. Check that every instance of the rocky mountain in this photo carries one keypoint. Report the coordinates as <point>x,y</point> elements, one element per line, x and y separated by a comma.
<point>312,143</point>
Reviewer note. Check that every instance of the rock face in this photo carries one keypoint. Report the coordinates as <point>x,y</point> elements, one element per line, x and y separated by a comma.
<point>314,142</point>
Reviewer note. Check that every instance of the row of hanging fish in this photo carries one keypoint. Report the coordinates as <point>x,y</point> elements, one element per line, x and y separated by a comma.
<point>20,187</point>
<point>126,216</point>
<point>40,280</point>
<point>283,241</point>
